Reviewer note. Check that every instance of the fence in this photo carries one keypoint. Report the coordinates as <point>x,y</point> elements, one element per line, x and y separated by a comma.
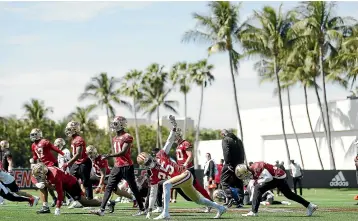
<point>312,178</point>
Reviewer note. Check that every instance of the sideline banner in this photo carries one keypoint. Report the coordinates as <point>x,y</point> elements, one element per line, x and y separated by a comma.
<point>311,178</point>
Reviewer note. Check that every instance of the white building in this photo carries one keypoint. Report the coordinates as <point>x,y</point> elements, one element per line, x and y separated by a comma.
<point>263,137</point>
<point>164,121</point>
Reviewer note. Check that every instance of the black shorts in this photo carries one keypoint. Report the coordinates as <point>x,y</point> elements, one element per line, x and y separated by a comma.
<point>119,173</point>
<point>12,187</point>
<point>75,191</point>
<point>82,171</point>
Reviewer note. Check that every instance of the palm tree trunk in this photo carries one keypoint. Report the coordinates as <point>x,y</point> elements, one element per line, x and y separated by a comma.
<point>332,161</point>
<point>310,123</point>
<point>293,126</point>
<point>281,109</point>
<point>158,127</point>
<point>109,130</point>
<point>320,108</point>
<point>236,101</point>
<point>197,132</point>
<point>136,125</point>
<point>185,115</point>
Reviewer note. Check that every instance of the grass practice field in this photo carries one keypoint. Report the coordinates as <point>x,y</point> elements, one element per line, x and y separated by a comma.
<point>335,205</point>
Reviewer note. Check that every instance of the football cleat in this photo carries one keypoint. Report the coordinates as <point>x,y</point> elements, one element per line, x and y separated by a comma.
<point>111,206</point>
<point>44,209</point>
<point>207,210</point>
<point>158,210</point>
<point>221,211</point>
<point>163,216</point>
<point>98,212</point>
<point>250,214</point>
<point>140,213</point>
<point>229,202</point>
<point>311,208</point>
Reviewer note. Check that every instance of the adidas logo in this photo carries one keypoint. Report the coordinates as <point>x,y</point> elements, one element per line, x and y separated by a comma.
<point>339,180</point>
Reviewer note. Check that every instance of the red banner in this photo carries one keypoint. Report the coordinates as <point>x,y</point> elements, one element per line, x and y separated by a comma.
<point>23,177</point>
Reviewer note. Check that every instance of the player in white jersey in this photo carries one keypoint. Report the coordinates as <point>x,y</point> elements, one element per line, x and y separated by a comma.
<point>9,187</point>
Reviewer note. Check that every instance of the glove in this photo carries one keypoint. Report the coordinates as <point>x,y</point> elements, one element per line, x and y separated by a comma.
<point>57,212</point>
<point>148,215</point>
<point>172,121</point>
<point>64,166</point>
<point>32,161</point>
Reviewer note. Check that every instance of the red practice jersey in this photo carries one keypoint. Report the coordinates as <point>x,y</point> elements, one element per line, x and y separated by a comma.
<point>42,150</point>
<point>78,141</point>
<point>258,167</point>
<point>118,142</point>
<point>99,163</point>
<point>63,181</point>
<point>166,170</point>
<point>181,153</point>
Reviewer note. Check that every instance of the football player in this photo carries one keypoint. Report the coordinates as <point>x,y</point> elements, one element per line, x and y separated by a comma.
<point>167,170</point>
<point>81,165</point>
<point>52,177</point>
<point>268,177</point>
<point>61,159</point>
<point>123,168</point>
<point>41,150</point>
<point>184,155</point>
<point>9,182</point>
<point>5,193</point>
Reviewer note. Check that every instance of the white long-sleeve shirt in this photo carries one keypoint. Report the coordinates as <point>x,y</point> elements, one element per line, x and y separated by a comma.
<point>65,158</point>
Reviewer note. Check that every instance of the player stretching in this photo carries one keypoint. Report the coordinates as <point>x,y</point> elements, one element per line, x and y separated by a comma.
<point>81,165</point>
<point>41,150</point>
<point>123,168</point>
<point>184,155</point>
<point>5,160</point>
<point>269,177</point>
<point>164,169</point>
<point>52,177</point>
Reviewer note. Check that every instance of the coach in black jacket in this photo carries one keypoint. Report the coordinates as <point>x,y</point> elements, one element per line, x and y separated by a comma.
<point>234,154</point>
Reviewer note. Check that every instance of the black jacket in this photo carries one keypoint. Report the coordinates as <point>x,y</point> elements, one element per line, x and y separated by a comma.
<point>211,170</point>
<point>233,150</point>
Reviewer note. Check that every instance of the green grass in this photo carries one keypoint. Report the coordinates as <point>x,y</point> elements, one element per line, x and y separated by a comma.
<point>335,205</point>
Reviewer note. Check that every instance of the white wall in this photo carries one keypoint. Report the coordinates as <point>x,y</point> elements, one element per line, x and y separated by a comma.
<point>263,138</point>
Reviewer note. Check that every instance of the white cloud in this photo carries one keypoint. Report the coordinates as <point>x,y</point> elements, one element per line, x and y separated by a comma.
<point>71,11</point>
<point>22,39</point>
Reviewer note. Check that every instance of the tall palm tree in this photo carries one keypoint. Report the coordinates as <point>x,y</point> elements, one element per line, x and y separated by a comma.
<point>103,90</point>
<point>180,75</point>
<point>268,39</point>
<point>218,30</point>
<point>304,69</point>
<point>37,113</point>
<point>155,94</point>
<point>319,23</point>
<point>82,115</point>
<point>131,87</point>
<point>202,76</point>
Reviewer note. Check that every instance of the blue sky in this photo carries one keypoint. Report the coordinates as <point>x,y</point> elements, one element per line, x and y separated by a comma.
<point>49,51</point>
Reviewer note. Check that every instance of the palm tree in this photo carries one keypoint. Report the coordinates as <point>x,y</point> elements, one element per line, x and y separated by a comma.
<point>269,40</point>
<point>219,31</point>
<point>82,115</point>
<point>36,113</point>
<point>131,87</point>
<point>202,77</point>
<point>180,75</point>
<point>155,93</point>
<point>304,70</point>
<point>103,90</point>
<point>318,23</point>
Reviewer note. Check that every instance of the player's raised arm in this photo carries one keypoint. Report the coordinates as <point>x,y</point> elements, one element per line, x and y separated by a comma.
<point>171,137</point>
<point>56,149</point>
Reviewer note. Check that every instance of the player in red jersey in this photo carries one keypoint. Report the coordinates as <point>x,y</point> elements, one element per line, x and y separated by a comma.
<point>41,151</point>
<point>269,177</point>
<point>184,155</point>
<point>175,176</point>
<point>81,165</point>
<point>57,179</point>
<point>123,168</point>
